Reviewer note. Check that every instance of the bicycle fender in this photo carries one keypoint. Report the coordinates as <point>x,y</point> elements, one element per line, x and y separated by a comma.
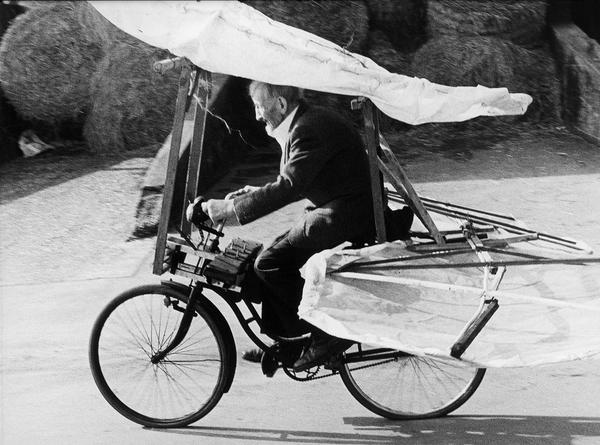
<point>222,325</point>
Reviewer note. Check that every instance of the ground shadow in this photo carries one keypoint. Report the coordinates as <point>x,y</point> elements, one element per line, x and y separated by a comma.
<point>500,430</point>
<point>24,176</point>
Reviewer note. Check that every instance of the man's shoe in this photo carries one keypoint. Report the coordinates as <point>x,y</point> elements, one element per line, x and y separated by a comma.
<point>289,352</point>
<point>320,350</point>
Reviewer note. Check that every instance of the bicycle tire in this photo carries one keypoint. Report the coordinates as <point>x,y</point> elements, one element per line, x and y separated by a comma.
<point>180,389</point>
<point>411,387</point>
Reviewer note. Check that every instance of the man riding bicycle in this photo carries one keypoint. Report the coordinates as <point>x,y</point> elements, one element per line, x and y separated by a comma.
<point>323,160</point>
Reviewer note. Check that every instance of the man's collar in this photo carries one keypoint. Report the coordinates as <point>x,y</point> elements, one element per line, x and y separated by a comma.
<point>281,133</point>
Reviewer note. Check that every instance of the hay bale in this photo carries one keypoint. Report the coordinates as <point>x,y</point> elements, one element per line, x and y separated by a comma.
<point>132,106</point>
<point>100,28</point>
<point>578,59</point>
<point>522,21</point>
<point>343,22</point>
<point>382,52</point>
<point>492,62</point>
<point>403,21</point>
<point>33,4</point>
<point>46,60</point>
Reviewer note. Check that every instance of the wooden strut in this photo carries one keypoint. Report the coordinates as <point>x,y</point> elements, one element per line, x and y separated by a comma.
<point>200,110</point>
<point>382,158</point>
<point>371,122</point>
<point>190,80</point>
<point>396,175</point>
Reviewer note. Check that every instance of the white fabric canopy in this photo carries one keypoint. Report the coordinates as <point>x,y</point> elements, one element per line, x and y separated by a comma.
<point>232,38</point>
<point>546,313</point>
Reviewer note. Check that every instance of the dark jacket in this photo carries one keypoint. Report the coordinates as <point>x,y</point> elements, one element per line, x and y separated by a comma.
<point>325,162</point>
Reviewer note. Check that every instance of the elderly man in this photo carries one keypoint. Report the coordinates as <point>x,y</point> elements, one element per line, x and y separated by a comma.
<point>323,160</point>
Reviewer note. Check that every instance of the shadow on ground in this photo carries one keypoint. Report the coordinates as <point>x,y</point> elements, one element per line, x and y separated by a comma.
<point>500,430</point>
<point>24,176</point>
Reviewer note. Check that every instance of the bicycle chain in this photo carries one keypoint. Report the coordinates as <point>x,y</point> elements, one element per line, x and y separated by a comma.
<point>314,376</point>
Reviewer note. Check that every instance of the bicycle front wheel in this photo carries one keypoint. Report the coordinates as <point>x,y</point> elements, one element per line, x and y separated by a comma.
<point>410,387</point>
<point>177,390</point>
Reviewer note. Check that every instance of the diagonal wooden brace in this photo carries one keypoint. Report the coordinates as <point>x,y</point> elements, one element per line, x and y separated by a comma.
<point>391,168</point>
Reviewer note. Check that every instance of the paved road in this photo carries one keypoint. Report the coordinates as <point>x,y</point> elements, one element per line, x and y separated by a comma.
<point>64,255</point>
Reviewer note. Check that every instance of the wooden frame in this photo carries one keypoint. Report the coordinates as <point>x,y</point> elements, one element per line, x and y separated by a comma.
<point>194,88</point>
<point>382,159</point>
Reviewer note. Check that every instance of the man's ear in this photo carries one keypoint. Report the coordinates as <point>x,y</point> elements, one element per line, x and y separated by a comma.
<point>283,104</point>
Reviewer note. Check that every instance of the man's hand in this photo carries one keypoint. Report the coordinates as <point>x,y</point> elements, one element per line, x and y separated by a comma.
<point>242,191</point>
<point>219,210</point>
<point>191,212</point>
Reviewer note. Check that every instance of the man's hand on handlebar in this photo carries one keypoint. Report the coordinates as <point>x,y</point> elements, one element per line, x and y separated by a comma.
<point>242,191</point>
<point>218,210</point>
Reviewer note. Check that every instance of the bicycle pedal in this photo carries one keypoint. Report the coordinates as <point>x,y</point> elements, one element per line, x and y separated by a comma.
<point>268,364</point>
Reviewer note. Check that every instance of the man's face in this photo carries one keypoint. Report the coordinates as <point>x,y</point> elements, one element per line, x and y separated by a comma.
<point>267,109</point>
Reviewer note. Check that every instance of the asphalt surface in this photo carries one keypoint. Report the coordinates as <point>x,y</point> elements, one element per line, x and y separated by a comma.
<point>65,221</point>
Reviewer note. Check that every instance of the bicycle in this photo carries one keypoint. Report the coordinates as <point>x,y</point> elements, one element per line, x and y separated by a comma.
<point>163,355</point>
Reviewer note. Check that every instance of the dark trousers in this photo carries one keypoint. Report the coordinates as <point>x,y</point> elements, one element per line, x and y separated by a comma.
<point>278,266</point>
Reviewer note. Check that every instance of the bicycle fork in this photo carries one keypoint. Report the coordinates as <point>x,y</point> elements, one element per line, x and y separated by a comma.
<point>184,326</point>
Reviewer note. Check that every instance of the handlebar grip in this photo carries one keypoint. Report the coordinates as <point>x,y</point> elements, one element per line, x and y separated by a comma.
<point>166,65</point>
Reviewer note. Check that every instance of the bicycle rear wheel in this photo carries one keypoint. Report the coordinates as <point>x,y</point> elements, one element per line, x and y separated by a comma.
<point>410,387</point>
<point>179,389</point>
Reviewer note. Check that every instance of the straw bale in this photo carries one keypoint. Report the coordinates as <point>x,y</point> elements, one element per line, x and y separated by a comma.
<point>340,21</point>
<point>32,4</point>
<point>46,60</point>
<point>99,27</point>
<point>403,21</point>
<point>383,52</point>
<point>132,106</point>
<point>492,62</point>
<point>522,21</point>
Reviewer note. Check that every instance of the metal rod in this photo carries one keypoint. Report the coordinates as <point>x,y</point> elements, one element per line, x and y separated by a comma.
<point>493,263</point>
<point>509,227</point>
<point>448,204</point>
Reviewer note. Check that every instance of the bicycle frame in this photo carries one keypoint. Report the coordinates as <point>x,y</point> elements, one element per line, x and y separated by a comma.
<point>234,299</point>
